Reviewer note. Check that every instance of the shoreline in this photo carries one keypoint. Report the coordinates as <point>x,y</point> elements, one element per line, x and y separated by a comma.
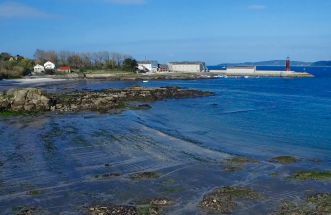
<point>161,76</point>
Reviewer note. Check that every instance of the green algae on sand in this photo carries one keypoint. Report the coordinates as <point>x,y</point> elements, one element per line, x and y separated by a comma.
<point>284,160</point>
<point>236,164</point>
<point>312,176</point>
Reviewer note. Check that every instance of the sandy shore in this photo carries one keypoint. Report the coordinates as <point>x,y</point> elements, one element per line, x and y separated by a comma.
<point>32,80</point>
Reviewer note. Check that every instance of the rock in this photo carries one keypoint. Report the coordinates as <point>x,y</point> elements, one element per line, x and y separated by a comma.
<point>311,175</point>
<point>319,204</point>
<point>225,200</point>
<point>113,210</point>
<point>33,100</point>
<point>145,176</point>
<point>284,160</point>
<point>236,164</point>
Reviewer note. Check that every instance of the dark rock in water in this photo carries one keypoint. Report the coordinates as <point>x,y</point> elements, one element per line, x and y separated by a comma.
<point>145,176</point>
<point>114,210</point>
<point>153,207</point>
<point>27,211</point>
<point>33,100</point>
<point>225,200</point>
<point>319,204</point>
<point>139,107</point>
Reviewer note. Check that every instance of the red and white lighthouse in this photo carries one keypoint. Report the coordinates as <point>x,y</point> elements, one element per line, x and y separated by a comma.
<point>288,64</point>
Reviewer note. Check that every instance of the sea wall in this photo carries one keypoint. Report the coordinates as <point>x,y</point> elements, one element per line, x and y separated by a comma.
<point>242,73</point>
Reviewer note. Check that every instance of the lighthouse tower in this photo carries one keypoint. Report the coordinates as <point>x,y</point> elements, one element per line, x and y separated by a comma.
<point>288,64</point>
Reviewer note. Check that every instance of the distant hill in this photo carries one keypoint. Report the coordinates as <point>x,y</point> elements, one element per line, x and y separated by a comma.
<point>268,63</point>
<point>321,63</point>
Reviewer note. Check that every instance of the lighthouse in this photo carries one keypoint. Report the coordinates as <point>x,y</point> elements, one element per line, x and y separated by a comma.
<point>288,64</point>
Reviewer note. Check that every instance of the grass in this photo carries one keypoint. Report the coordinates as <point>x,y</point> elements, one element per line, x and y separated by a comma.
<point>312,176</point>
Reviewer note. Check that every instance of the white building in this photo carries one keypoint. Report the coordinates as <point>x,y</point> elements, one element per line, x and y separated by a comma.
<point>187,67</point>
<point>148,66</point>
<point>37,69</point>
<point>241,69</point>
<point>49,66</point>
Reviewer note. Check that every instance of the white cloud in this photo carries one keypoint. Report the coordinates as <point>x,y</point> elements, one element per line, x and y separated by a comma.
<point>127,2</point>
<point>257,7</point>
<point>18,10</point>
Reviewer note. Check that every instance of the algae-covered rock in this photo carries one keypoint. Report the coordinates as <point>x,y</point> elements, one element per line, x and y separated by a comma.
<point>312,175</point>
<point>153,207</point>
<point>319,204</point>
<point>284,160</point>
<point>31,99</point>
<point>226,199</point>
<point>145,176</point>
<point>236,164</point>
<point>113,209</point>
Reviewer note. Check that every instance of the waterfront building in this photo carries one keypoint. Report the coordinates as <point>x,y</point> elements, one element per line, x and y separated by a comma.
<point>241,69</point>
<point>163,68</point>
<point>64,69</point>
<point>187,67</point>
<point>49,65</point>
<point>148,66</point>
<point>37,69</point>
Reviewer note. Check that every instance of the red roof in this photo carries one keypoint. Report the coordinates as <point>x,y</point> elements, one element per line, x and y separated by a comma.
<point>64,68</point>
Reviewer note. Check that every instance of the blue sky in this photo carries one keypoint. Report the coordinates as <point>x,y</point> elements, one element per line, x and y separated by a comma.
<point>214,31</point>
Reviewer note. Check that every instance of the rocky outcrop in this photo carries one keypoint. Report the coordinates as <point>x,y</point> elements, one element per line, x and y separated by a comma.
<point>33,100</point>
<point>29,99</point>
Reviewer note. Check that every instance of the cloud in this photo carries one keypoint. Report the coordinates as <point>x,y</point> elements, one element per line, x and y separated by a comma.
<point>127,2</point>
<point>18,10</point>
<point>257,7</point>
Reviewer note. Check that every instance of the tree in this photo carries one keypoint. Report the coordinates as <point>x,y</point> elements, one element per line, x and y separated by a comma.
<point>4,56</point>
<point>130,65</point>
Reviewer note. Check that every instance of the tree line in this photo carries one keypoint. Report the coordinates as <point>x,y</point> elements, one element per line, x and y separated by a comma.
<point>14,66</point>
<point>102,60</point>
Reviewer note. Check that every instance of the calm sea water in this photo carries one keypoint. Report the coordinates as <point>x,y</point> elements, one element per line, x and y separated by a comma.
<point>184,139</point>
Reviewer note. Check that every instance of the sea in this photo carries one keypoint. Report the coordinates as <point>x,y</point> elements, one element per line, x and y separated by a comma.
<point>55,162</point>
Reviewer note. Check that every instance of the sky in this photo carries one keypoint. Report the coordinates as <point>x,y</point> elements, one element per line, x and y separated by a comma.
<point>214,31</point>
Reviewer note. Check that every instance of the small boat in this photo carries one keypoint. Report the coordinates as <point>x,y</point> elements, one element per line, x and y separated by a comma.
<point>145,81</point>
<point>246,76</point>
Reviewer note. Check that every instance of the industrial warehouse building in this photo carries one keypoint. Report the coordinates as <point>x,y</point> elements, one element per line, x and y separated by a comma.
<point>241,69</point>
<point>187,67</point>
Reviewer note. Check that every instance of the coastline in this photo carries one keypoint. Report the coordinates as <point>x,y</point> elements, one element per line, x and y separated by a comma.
<point>162,76</point>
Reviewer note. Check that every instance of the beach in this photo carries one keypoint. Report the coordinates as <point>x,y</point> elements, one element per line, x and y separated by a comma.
<point>251,139</point>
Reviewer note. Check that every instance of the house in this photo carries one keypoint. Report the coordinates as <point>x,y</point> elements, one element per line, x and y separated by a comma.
<point>163,68</point>
<point>241,69</point>
<point>148,66</point>
<point>49,66</point>
<point>187,67</point>
<point>38,69</point>
<point>64,69</point>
